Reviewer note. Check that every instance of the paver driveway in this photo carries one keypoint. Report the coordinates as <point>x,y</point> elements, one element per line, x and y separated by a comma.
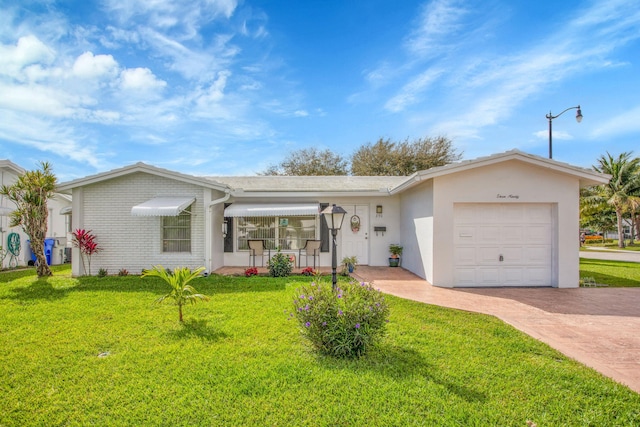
<point>599,327</point>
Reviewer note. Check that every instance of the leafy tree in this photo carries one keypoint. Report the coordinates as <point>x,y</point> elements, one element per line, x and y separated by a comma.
<point>389,158</point>
<point>623,186</point>
<point>30,193</point>
<point>181,292</point>
<point>310,162</point>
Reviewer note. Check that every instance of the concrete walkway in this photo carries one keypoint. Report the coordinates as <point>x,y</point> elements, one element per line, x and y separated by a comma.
<point>599,327</point>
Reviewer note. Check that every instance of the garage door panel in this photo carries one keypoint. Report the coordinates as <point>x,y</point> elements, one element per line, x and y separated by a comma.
<point>465,235</point>
<point>538,234</point>
<point>489,214</point>
<point>536,276</point>
<point>512,234</point>
<point>465,256</point>
<point>537,255</point>
<point>488,233</point>
<point>488,276</point>
<point>512,255</point>
<point>512,214</point>
<point>466,276</point>
<point>538,214</point>
<point>487,254</point>
<point>512,276</point>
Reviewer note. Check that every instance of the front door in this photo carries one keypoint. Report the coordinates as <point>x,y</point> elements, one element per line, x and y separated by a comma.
<point>355,233</point>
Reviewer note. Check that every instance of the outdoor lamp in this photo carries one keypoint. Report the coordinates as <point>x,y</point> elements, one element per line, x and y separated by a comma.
<point>550,117</point>
<point>334,215</point>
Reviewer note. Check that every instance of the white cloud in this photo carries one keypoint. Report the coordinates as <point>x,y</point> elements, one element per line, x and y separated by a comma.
<point>28,50</point>
<point>214,93</point>
<point>89,66</point>
<point>39,99</point>
<point>411,92</point>
<point>438,20</point>
<point>557,134</point>
<point>47,136</point>
<point>300,113</point>
<point>140,79</point>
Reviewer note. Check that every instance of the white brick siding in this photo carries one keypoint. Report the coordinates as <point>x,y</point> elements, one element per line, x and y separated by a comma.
<point>135,243</point>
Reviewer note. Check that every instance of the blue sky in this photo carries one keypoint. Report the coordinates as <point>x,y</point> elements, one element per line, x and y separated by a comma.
<point>229,87</point>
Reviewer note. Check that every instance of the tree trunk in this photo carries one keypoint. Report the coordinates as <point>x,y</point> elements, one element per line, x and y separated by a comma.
<point>180,311</point>
<point>620,231</point>
<point>36,228</point>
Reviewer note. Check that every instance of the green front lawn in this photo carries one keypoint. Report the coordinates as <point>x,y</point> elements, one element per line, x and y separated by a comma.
<point>97,351</point>
<point>612,273</point>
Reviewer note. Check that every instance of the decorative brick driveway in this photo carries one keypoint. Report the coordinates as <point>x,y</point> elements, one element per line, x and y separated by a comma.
<point>599,327</point>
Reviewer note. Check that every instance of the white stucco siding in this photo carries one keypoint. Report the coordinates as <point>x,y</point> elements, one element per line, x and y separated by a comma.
<point>416,230</point>
<point>135,243</point>
<point>509,182</point>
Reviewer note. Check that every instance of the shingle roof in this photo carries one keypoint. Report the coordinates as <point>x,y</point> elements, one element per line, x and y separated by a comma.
<point>308,183</point>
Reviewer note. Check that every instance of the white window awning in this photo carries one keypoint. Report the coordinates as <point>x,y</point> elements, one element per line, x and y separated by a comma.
<point>162,206</point>
<point>66,210</point>
<point>271,209</point>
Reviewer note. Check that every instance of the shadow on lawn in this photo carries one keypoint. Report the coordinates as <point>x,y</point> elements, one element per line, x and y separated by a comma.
<point>397,362</point>
<point>198,329</point>
<point>41,289</point>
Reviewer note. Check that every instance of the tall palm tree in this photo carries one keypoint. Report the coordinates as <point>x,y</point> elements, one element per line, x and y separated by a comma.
<point>623,185</point>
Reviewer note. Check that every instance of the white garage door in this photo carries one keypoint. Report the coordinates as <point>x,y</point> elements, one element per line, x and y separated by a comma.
<point>498,244</point>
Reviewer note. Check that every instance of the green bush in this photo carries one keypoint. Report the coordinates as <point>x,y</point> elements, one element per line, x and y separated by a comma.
<point>280,265</point>
<point>344,323</point>
<point>103,272</point>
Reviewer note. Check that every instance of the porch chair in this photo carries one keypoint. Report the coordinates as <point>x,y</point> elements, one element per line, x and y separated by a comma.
<point>257,248</point>
<point>311,248</point>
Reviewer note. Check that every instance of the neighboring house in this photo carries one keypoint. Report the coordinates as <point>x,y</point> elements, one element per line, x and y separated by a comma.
<point>58,227</point>
<point>508,219</point>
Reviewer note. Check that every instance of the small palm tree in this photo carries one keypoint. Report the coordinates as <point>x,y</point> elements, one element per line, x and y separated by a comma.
<point>181,292</point>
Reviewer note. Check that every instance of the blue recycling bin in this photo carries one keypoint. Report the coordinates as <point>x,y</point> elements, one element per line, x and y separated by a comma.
<point>48,250</point>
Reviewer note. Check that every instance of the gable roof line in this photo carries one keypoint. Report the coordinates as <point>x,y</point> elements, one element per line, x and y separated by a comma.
<point>141,167</point>
<point>8,164</point>
<point>587,176</point>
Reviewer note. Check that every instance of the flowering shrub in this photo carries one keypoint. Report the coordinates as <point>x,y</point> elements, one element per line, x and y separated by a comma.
<point>308,271</point>
<point>86,242</point>
<point>280,265</point>
<point>251,271</point>
<point>344,323</point>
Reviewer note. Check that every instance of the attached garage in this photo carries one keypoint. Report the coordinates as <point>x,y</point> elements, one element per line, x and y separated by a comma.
<point>510,219</point>
<point>500,244</point>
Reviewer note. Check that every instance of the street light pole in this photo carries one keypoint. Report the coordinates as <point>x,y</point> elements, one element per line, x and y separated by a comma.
<point>550,117</point>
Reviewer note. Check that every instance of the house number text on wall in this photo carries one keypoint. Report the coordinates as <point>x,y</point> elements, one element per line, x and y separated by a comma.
<point>509,196</point>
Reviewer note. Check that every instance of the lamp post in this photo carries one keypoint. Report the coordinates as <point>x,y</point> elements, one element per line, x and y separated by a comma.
<point>334,215</point>
<point>550,117</point>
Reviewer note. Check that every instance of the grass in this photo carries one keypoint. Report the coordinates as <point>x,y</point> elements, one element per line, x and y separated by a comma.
<point>612,273</point>
<point>594,245</point>
<point>97,351</point>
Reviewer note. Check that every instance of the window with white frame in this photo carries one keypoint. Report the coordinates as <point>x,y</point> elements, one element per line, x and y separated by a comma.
<point>284,232</point>
<point>176,232</point>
